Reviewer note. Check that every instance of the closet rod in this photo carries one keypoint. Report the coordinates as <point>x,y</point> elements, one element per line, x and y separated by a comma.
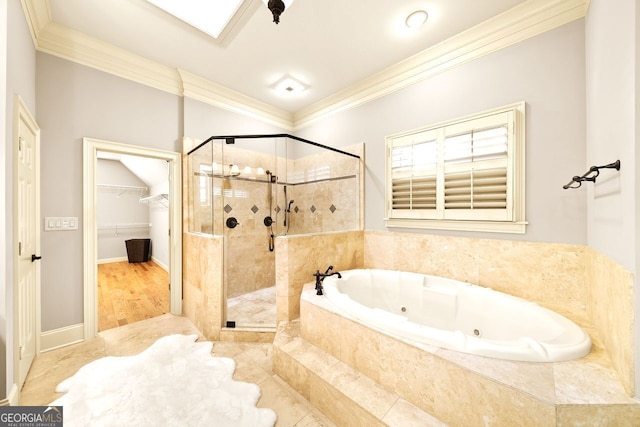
<point>157,198</point>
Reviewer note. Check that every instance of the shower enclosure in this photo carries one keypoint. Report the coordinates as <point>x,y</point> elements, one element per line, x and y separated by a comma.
<point>253,189</point>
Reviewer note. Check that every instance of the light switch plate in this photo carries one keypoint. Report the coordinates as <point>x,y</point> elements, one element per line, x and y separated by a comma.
<point>60,223</point>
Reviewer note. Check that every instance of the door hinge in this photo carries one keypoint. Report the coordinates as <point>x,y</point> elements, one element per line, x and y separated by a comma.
<point>20,143</point>
<point>19,248</point>
<point>20,352</point>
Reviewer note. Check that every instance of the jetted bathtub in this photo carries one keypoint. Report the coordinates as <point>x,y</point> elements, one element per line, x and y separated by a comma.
<point>456,315</point>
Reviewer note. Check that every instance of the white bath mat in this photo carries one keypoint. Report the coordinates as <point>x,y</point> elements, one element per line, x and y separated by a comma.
<point>175,382</point>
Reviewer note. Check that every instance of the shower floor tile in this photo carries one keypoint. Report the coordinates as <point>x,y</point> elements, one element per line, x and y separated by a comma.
<point>254,309</point>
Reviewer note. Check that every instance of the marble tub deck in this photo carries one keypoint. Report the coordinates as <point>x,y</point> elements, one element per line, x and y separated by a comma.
<point>464,389</point>
<point>253,364</point>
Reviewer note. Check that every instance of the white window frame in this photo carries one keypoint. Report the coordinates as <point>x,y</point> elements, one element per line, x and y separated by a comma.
<point>514,220</point>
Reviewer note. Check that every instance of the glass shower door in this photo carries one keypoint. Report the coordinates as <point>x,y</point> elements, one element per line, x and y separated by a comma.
<point>249,180</point>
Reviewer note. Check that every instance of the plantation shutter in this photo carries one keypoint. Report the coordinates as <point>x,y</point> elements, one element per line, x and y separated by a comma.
<point>461,171</point>
<point>476,163</point>
<point>413,175</point>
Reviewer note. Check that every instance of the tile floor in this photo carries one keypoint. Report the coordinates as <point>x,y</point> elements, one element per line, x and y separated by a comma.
<point>253,364</point>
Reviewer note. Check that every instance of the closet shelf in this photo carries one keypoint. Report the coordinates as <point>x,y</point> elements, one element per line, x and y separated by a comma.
<point>160,199</point>
<point>123,226</point>
<point>121,189</point>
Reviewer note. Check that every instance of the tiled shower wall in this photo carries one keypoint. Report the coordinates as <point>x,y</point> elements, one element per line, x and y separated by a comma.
<point>300,256</point>
<point>324,187</point>
<point>249,265</point>
<point>202,282</point>
<point>326,191</point>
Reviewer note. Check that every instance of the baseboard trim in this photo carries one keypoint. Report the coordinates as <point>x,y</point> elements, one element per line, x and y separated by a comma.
<point>160,264</point>
<point>50,340</point>
<point>109,260</point>
<point>13,397</point>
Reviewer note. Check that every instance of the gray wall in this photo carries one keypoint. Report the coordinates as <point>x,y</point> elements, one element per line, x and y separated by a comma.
<point>611,127</point>
<point>546,71</point>
<point>118,208</point>
<point>203,120</point>
<point>613,117</point>
<point>20,79</point>
<point>75,102</point>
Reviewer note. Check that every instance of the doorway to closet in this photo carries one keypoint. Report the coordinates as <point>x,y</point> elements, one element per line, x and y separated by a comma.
<point>133,240</point>
<point>133,260</point>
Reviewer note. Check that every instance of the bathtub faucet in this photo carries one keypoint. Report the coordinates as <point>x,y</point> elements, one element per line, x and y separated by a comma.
<point>320,277</point>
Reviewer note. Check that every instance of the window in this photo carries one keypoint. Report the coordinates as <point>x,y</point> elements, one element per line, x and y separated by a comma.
<point>204,185</point>
<point>465,174</point>
<point>209,16</point>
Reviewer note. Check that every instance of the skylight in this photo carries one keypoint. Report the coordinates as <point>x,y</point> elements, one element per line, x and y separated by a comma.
<point>209,16</point>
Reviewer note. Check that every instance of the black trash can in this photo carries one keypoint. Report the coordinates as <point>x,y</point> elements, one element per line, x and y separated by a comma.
<point>138,250</point>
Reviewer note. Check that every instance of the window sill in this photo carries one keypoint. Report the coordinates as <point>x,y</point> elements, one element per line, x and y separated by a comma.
<point>479,226</point>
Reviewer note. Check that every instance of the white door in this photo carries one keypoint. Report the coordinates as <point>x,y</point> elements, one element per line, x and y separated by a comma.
<point>28,266</point>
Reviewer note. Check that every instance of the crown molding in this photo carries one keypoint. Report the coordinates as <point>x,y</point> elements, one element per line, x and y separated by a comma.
<point>519,23</point>
<point>38,14</point>
<point>61,41</point>
<point>204,90</point>
<point>512,26</point>
<point>78,47</point>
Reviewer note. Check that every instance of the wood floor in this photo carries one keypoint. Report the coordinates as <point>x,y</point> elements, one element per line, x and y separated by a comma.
<point>129,292</point>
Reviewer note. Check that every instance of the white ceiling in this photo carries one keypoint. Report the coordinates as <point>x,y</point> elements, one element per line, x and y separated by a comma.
<point>153,172</point>
<point>328,45</point>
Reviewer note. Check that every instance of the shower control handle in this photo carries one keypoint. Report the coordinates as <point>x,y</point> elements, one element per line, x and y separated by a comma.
<point>268,221</point>
<point>232,222</point>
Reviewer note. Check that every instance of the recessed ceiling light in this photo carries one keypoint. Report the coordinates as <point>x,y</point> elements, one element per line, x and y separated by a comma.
<point>209,16</point>
<point>416,19</point>
<point>289,86</point>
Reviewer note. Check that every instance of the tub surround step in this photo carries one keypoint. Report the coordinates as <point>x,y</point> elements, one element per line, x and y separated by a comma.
<point>344,395</point>
<point>463,389</point>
